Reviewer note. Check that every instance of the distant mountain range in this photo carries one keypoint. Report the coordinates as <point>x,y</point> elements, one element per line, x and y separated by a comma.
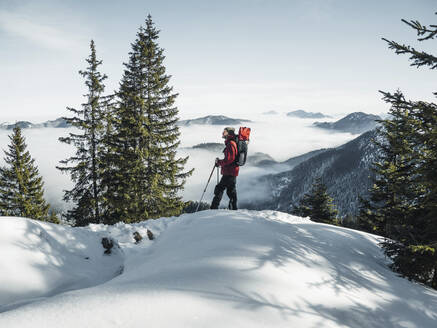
<point>58,123</point>
<point>213,120</point>
<point>61,123</point>
<point>271,112</point>
<point>303,114</point>
<point>345,170</point>
<point>355,123</point>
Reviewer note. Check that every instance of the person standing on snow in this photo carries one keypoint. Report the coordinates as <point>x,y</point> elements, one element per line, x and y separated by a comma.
<point>229,170</point>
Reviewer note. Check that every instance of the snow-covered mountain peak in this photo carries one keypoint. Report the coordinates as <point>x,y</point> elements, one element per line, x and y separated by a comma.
<point>358,116</point>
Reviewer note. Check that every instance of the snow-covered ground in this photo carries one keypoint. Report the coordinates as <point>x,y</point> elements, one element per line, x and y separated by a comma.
<point>209,269</point>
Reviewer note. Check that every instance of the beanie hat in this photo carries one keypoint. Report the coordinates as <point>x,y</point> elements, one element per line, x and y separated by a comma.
<point>230,130</point>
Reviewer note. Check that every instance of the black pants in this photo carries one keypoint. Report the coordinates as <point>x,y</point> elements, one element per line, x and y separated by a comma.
<point>227,182</point>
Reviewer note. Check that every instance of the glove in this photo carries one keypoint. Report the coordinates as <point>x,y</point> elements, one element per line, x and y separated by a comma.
<point>217,162</point>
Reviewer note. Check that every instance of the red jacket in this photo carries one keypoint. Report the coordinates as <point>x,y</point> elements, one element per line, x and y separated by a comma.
<point>228,163</point>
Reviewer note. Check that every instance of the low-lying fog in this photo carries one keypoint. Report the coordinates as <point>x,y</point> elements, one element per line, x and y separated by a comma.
<point>279,136</point>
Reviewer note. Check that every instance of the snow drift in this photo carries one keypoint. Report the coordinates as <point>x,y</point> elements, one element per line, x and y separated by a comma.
<point>212,268</point>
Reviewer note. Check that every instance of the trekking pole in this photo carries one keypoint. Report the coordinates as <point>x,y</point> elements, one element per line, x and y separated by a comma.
<point>218,175</point>
<point>198,205</point>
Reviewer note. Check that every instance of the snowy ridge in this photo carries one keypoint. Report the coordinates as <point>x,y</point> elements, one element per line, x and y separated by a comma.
<point>303,114</point>
<point>226,269</point>
<point>355,123</point>
<point>58,123</point>
<point>213,120</point>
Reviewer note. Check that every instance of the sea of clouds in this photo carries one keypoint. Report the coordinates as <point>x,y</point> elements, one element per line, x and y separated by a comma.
<point>279,136</point>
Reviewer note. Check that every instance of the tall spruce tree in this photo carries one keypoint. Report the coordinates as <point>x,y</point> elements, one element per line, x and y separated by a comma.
<point>85,167</point>
<point>21,186</point>
<point>393,196</point>
<point>317,204</point>
<point>144,175</point>
<point>403,203</point>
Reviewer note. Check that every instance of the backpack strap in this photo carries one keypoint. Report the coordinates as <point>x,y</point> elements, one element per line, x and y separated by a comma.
<point>236,150</point>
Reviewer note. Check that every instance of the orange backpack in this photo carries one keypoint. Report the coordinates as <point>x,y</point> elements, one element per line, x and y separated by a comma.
<point>242,141</point>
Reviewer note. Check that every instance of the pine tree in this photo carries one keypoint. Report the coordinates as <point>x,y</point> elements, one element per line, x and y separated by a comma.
<point>85,167</point>
<point>144,176</point>
<point>424,248</point>
<point>403,203</point>
<point>317,204</point>
<point>406,209</point>
<point>394,193</point>
<point>21,186</point>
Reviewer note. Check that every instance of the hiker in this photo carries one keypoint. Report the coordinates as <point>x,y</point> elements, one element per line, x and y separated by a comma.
<point>229,170</point>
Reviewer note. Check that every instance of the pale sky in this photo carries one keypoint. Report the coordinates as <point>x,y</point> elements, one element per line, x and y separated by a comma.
<point>235,58</point>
